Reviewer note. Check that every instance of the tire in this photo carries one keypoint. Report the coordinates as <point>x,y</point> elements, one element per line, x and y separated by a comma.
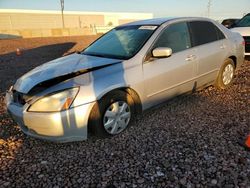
<point>226,74</point>
<point>107,117</point>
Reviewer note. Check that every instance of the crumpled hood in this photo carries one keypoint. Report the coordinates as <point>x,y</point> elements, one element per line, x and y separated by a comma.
<point>244,31</point>
<point>60,67</point>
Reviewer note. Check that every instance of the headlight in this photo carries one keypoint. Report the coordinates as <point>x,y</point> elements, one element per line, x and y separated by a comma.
<point>55,102</point>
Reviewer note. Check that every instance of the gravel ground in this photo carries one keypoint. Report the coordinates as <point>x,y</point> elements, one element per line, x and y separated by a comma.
<point>189,141</point>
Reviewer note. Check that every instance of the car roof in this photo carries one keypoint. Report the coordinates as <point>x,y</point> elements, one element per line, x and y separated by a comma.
<point>160,21</point>
<point>154,21</point>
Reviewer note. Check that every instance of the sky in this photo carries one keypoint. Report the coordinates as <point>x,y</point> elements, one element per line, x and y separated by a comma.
<point>220,9</point>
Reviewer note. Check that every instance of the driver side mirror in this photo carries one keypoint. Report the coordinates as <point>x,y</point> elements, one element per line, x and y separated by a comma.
<point>162,52</point>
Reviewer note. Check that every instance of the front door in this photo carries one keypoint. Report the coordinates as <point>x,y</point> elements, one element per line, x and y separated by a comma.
<point>167,77</point>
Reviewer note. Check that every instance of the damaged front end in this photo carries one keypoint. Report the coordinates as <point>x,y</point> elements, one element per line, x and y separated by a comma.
<point>49,113</point>
<point>60,126</point>
<point>41,89</point>
<point>48,102</point>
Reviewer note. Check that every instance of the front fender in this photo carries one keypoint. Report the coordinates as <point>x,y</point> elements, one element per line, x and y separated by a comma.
<point>100,82</point>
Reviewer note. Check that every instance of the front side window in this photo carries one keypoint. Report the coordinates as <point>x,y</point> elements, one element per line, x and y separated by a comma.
<point>203,32</point>
<point>176,37</point>
<point>244,22</point>
<point>122,42</point>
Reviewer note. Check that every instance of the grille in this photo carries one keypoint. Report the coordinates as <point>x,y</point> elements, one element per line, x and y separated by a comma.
<point>247,42</point>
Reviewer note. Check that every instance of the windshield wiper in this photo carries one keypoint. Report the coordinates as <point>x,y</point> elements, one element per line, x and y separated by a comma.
<point>97,55</point>
<point>73,52</point>
<point>104,55</point>
<point>93,54</point>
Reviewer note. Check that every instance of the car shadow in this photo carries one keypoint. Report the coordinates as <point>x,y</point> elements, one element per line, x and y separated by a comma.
<point>12,66</point>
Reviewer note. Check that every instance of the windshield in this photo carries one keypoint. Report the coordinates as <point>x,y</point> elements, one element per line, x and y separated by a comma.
<point>244,22</point>
<point>121,43</point>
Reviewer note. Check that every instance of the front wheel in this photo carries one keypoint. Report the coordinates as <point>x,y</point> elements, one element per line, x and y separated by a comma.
<point>226,74</point>
<point>112,114</point>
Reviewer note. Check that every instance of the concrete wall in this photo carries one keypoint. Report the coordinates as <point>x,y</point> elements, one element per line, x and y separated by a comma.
<point>10,21</point>
<point>37,23</point>
<point>56,32</point>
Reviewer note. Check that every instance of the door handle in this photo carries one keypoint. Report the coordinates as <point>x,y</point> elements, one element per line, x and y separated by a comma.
<point>191,57</point>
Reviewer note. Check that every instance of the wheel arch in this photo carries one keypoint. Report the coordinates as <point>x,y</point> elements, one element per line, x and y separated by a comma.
<point>218,82</point>
<point>135,96</point>
<point>234,58</point>
<point>131,92</point>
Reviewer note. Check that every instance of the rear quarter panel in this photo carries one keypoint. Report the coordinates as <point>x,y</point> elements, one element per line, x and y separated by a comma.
<point>235,44</point>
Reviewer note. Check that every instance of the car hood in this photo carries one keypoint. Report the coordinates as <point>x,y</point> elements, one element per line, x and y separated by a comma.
<point>244,31</point>
<point>61,67</point>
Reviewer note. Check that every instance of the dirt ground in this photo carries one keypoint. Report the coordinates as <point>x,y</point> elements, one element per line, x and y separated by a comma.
<point>189,141</point>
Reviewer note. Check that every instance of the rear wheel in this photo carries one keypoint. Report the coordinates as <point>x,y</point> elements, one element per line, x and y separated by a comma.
<point>112,114</point>
<point>226,74</point>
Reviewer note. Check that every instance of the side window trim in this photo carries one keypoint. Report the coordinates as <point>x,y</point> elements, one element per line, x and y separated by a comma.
<point>190,34</point>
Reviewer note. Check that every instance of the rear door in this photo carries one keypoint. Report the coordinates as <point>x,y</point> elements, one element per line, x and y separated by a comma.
<point>212,47</point>
<point>166,77</point>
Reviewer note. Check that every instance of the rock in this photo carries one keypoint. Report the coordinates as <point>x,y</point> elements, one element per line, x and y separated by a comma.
<point>159,173</point>
<point>79,180</point>
<point>183,181</point>
<point>6,184</point>
<point>44,162</point>
<point>40,176</point>
<point>214,181</point>
<point>140,181</point>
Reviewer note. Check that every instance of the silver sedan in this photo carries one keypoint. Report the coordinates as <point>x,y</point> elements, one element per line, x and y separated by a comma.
<point>131,68</point>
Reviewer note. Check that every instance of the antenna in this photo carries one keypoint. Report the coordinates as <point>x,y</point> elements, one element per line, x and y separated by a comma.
<point>209,8</point>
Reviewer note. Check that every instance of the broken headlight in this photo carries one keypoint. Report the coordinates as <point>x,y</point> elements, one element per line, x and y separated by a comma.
<point>55,102</point>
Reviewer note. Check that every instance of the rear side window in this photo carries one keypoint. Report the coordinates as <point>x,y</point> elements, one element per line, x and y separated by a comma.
<point>203,32</point>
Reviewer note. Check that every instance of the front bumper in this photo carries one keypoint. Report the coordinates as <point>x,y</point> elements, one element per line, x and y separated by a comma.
<point>66,126</point>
